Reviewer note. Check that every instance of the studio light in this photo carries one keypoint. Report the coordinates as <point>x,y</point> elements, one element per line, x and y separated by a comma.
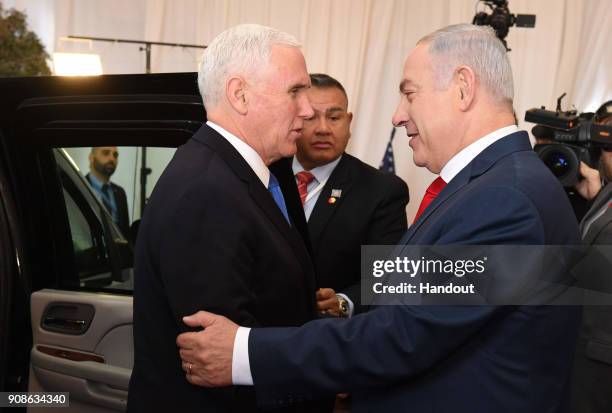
<point>77,64</point>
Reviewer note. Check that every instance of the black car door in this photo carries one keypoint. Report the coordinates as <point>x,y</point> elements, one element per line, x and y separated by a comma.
<point>66,298</point>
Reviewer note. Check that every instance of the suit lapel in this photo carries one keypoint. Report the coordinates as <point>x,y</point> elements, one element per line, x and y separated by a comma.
<point>258,192</point>
<point>518,141</point>
<point>456,184</point>
<point>605,197</point>
<point>323,210</point>
<point>598,226</point>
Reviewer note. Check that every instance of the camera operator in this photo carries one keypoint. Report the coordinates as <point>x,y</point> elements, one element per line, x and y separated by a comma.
<point>591,184</point>
<point>592,377</point>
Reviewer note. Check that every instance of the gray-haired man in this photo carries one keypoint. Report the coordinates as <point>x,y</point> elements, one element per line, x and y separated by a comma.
<point>218,232</point>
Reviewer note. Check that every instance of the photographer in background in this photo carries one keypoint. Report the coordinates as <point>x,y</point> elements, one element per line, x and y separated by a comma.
<point>592,377</point>
<point>594,179</point>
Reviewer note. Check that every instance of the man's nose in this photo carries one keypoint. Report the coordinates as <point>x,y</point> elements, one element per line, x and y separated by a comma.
<point>305,109</point>
<point>322,126</point>
<point>399,116</point>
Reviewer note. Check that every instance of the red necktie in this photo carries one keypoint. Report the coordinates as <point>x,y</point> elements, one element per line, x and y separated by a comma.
<point>304,178</point>
<point>432,192</point>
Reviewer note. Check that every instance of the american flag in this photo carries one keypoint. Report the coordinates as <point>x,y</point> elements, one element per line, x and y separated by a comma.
<point>388,161</point>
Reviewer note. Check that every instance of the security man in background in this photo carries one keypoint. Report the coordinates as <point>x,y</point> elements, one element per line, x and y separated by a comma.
<point>347,203</point>
<point>103,162</point>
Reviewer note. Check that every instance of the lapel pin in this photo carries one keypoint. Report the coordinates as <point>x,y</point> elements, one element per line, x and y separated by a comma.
<point>336,193</point>
<point>331,200</point>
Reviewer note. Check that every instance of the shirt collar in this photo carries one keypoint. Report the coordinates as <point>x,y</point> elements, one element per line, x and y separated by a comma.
<point>467,154</point>
<point>95,182</point>
<point>248,154</point>
<point>321,173</point>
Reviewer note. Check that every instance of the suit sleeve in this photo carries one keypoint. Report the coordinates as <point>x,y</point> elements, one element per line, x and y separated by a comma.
<point>389,344</point>
<point>206,257</point>
<point>387,226</point>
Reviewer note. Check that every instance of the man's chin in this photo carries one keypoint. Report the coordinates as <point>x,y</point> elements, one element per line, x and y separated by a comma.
<point>289,152</point>
<point>418,161</point>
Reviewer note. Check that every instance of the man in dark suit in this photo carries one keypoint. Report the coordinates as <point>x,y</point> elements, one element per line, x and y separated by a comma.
<point>456,105</point>
<point>218,232</point>
<point>347,202</point>
<point>592,375</point>
<point>103,162</point>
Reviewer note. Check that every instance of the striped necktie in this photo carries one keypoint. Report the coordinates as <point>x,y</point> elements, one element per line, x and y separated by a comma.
<point>304,179</point>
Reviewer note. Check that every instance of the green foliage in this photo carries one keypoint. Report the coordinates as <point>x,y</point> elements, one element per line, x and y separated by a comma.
<point>21,52</point>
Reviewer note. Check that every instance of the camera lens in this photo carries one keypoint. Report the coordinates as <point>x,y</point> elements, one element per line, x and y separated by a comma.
<point>557,163</point>
<point>562,160</point>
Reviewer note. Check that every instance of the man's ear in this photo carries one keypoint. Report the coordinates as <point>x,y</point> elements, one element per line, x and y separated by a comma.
<point>236,91</point>
<point>465,85</point>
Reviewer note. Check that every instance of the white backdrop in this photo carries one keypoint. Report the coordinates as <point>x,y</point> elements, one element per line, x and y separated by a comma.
<point>360,42</point>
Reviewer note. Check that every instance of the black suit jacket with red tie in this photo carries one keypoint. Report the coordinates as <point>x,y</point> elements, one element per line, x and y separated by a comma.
<point>371,210</point>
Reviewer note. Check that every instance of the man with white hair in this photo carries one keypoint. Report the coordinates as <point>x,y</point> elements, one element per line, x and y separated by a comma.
<point>218,232</point>
<point>456,107</point>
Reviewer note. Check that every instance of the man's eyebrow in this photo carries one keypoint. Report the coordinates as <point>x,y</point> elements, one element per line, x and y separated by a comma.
<point>405,84</point>
<point>334,109</point>
<point>299,86</point>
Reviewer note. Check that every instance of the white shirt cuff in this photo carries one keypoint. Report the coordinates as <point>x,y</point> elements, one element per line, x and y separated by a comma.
<point>351,306</point>
<point>241,367</point>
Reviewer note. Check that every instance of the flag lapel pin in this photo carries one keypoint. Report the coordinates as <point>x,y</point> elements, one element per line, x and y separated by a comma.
<point>335,194</point>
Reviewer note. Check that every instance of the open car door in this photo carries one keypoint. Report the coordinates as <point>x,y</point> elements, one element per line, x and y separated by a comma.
<point>66,309</point>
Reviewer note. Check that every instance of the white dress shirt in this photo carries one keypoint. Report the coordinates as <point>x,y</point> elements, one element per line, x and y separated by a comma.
<point>248,154</point>
<point>241,368</point>
<point>467,154</point>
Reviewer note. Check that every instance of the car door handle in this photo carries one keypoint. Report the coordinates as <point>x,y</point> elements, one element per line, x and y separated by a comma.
<point>67,318</point>
<point>64,323</point>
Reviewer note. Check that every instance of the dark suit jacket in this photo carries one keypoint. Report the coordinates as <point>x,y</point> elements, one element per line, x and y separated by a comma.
<point>122,208</point>
<point>592,377</point>
<point>213,239</point>
<point>370,211</point>
<point>445,358</point>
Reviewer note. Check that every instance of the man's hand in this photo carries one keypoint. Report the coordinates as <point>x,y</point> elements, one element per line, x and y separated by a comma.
<point>327,302</point>
<point>590,185</point>
<point>207,355</point>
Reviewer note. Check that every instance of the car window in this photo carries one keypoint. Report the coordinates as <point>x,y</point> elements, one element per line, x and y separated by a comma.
<point>100,258</point>
<point>128,172</point>
<point>104,221</point>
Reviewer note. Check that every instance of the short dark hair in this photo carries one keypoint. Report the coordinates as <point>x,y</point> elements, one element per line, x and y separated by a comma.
<point>323,81</point>
<point>604,114</point>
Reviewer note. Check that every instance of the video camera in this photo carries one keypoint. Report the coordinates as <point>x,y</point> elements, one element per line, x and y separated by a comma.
<point>501,19</point>
<point>574,137</point>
